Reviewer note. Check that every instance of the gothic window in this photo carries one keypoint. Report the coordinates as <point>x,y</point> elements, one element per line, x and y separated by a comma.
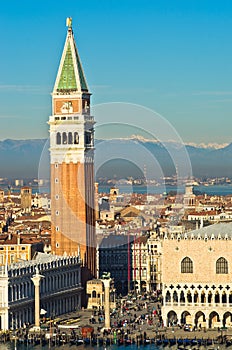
<point>88,137</point>
<point>186,265</point>
<point>189,297</point>
<point>210,297</point>
<point>221,266</point>
<point>182,297</point>
<point>203,299</point>
<point>217,298</point>
<point>168,297</point>
<point>76,138</point>
<point>58,138</point>
<point>70,138</point>
<point>64,138</point>
<point>224,298</point>
<point>175,297</point>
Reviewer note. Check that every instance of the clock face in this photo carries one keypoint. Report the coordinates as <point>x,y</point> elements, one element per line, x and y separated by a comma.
<point>64,106</point>
<point>67,107</point>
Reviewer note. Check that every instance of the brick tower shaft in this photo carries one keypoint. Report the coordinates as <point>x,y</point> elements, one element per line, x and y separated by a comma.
<point>72,161</point>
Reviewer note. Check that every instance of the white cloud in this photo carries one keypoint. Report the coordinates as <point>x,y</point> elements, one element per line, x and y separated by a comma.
<point>24,88</point>
<point>212,93</point>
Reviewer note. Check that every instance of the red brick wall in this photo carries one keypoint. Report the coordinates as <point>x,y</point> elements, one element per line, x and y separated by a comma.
<point>76,219</point>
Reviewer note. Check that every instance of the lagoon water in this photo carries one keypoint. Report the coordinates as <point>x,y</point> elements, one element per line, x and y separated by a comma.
<point>218,190</point>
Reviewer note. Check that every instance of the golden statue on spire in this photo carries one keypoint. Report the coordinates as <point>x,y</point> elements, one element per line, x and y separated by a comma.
<point>69,22</point>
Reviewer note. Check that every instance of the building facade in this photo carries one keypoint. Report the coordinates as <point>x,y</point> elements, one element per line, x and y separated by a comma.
<point>60,289</point>
<point>96,294</point>
<point>146,263</point>
<point>16,248</point>
<point>26,196</point>
<point>189,197</point>
<point>115,256</point>
<point>196,277</point>
<point>72,160</point>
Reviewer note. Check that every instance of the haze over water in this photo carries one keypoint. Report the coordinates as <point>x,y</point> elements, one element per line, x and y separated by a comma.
<point>218,190</point>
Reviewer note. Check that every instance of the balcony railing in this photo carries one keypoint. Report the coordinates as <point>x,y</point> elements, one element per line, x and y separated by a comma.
<point>95,300</point>
<point>71,118</point>
<point>174,303</point>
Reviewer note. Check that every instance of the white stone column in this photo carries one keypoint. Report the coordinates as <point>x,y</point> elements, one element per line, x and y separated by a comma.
<point>148,281</point>
<point>178,315</point>
<point>164,292</point>
<point>4,301</point>
<point>158,275</point>
<point>20,319</point>
<point>178,299</point>
<point>165,316</point>
<point>106,283</point>
<point>36,280</point>
<point>185,298</point>
<point>171,296</point>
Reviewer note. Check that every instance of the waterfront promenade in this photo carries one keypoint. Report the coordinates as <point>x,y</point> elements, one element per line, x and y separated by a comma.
<point>152,330</point>
<point>135,323</point>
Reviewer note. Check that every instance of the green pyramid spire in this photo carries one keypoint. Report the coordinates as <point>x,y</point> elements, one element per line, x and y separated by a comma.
<point>81,73</point>
<point>71,75</point>
<point>67,77</point>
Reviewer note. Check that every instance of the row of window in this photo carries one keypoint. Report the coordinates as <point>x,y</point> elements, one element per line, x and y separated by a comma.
<point>71,138</point>
<point>195,297</point>
<point>13,248</point>
<point>221,266</point>
<point>67,138</point>
<point>13,258</point>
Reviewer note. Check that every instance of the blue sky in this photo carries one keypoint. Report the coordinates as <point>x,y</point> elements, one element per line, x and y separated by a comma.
<point>173,56</point>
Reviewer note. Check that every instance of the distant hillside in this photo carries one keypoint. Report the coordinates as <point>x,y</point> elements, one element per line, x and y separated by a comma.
<point>118,158</point>
<point>208,162</point>
<point>20,158</point>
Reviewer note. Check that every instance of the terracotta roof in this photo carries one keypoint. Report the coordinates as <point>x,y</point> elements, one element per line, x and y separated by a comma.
<point>204,213</point>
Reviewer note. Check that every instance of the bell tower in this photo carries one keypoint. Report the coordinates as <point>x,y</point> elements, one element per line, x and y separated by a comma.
<point>72,160</point>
